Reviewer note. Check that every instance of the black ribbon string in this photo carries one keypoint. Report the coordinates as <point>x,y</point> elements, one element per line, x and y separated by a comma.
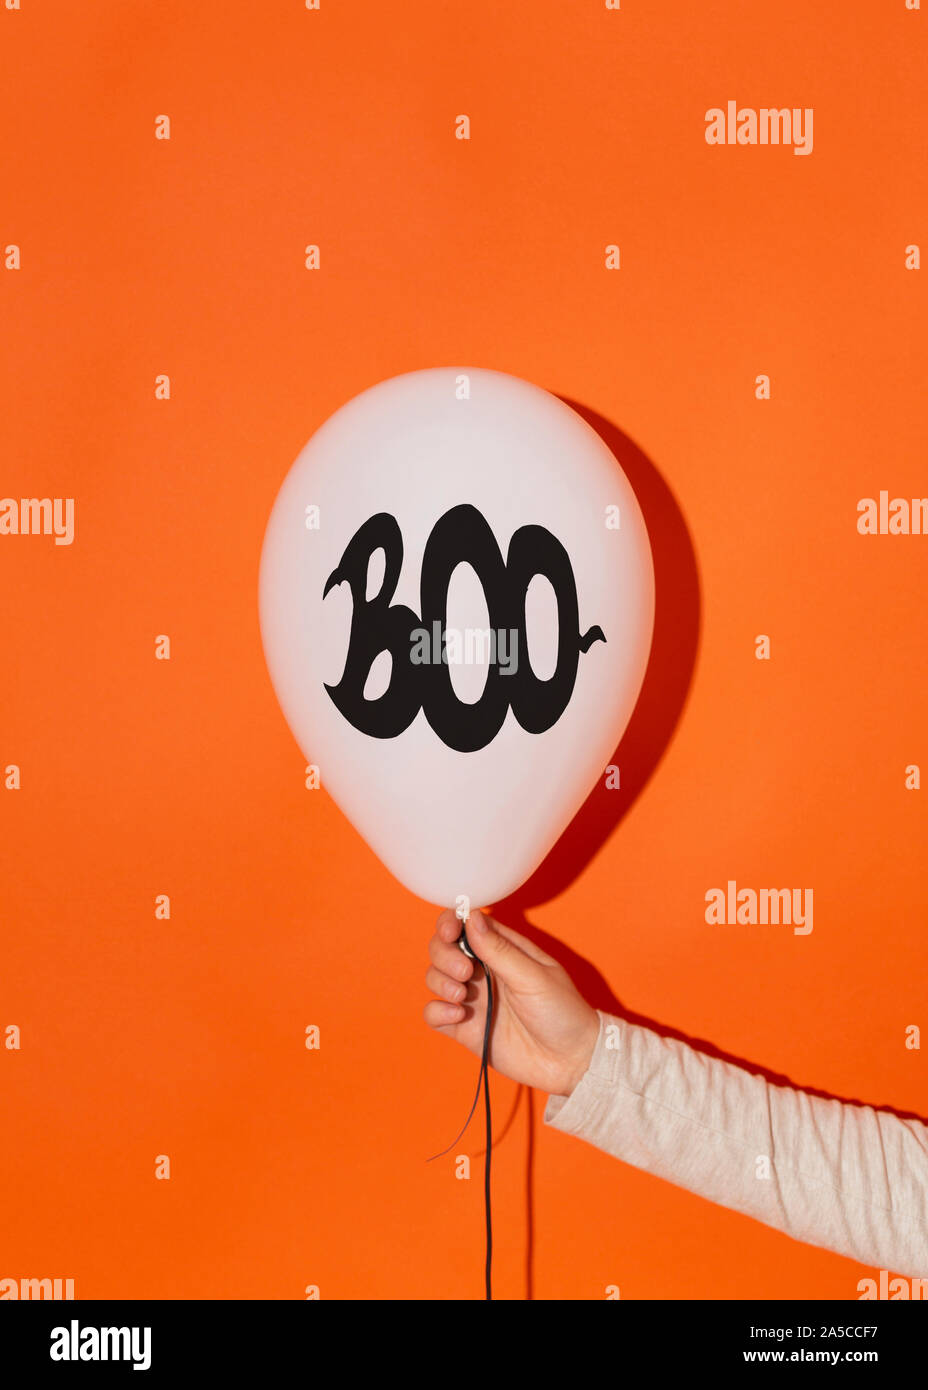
<point>483,1080</point>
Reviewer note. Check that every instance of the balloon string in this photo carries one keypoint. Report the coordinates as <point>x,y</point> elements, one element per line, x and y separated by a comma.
<point>483,1079</point>
<point>470,1116</point>
<point>489,1128</point>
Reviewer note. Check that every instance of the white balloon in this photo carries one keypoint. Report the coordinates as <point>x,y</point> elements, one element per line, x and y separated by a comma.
<point>457,824</point>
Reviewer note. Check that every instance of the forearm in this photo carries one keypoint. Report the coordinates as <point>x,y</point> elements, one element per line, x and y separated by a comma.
<point>845,1177</point>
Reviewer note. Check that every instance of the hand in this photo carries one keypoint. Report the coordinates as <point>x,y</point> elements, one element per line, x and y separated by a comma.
<point>543,1031</point>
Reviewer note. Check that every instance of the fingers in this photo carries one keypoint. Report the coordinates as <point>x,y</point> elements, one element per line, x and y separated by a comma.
<point>448,927</point>
<point>524,944</point>
<point>439,1014</point>
<point>456,979</point>
<point>449,958</point>
<point>451,976</point>
<point>452,990</point>
<point>503,953</point>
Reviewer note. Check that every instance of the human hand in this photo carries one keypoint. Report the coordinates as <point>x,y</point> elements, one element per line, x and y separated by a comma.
<point>543,1031</point>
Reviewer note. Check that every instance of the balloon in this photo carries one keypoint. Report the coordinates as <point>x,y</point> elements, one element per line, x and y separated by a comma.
<point>456,601</point>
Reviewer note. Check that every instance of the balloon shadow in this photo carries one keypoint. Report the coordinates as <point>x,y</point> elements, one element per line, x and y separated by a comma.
<point>650,729</point>
<point>660,706</point>
<point>665,686</point>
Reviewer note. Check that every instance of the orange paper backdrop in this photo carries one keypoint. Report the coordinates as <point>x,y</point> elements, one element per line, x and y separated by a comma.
<point>139,256</point>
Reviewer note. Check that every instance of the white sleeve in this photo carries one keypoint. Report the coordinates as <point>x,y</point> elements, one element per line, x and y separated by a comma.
<point>843,1176</point>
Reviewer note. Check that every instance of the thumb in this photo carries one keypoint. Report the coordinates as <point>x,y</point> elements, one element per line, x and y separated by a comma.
<point>500,954</point>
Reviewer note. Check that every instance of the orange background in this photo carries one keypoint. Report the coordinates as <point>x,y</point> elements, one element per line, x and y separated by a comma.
<point>142,1037</point>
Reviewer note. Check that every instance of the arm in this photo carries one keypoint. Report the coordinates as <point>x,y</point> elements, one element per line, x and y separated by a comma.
<point>846,1177</point>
